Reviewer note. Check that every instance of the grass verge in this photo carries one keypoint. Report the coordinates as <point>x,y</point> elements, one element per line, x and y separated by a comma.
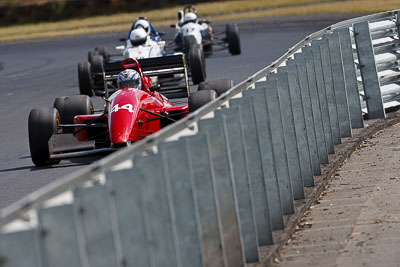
<point>220,11</point>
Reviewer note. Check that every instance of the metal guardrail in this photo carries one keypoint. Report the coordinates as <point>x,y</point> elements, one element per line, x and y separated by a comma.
<point>209,191</point>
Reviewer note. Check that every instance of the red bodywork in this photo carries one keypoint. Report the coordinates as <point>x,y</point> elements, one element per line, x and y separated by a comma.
<point>128,112</point>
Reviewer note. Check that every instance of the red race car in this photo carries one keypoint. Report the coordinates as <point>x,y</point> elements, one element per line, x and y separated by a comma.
<point>71,128</point>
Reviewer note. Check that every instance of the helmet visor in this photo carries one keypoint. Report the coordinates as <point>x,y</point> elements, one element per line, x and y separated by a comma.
<point>135,83</point>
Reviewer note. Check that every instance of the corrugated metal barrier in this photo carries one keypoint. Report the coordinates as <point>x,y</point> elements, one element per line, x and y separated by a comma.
<point>210,189</point>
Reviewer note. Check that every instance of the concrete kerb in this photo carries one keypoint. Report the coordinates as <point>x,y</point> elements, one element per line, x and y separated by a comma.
<point>270,254</point>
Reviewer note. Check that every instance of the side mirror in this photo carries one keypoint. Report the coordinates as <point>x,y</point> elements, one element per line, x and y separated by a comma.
<point>123,39</point>
<point>155,87</point>
<point>120,48</point>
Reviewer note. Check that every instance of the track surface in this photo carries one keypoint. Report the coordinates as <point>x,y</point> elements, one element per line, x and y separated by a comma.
<point>34,73</point>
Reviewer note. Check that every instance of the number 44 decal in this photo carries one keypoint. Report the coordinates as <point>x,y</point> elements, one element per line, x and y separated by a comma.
<point>128,107</point>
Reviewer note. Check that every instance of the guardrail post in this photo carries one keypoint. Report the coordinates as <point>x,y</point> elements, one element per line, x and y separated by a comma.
<point>326,121</point>
<point>350,76</point>
<point>180,182</point>
<point>339,85</point>
<point>262,194</point>
<point>59,236</point>
<point>94,217</point>
<point>316,109</point>
<point>398,22</point>
<point>236,143</point>
<point>263,125</point>
<point>20,249</point>
<point>369,73</point>
<point>330,92</point>
<point>207,200</point>
<point>308,114</point>
<point>222,167</point>
<point>158,214</point>
<point>299,124</point>
<point>289,133</point>
<point>267,156</point>
<point>278,141</point>
<point>125,198</point>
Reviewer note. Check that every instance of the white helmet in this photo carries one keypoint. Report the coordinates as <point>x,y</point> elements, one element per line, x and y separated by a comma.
<point>138,36</point>
<point>129,79</point>
<point>190,17</point>
<point>142,23</point>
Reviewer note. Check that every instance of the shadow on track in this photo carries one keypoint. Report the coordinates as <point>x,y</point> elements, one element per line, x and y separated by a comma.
<point>64,164</point>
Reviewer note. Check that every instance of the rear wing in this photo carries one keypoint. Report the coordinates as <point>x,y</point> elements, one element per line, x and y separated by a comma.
<point>164,68</point>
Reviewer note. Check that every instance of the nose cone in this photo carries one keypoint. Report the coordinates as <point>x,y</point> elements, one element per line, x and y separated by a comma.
<point>123,116</point>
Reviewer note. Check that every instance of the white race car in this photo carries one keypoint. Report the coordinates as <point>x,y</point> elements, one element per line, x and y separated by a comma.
<point>143,42</point>
<point>191,31</point>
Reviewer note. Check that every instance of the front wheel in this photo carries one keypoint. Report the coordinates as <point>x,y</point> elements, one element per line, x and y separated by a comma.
<point>97,69</point>
<point>85,79</point>
<point>232,37</point>
<point>197,64</point>
<point>42,125</point>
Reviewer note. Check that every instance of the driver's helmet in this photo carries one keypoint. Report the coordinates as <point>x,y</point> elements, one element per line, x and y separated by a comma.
<point>129,79</point>
<point>138,37</point>
<point>190,17</point>
<point>142,23</point>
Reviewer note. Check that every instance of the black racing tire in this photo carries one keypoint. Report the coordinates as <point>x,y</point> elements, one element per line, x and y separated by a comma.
<point>197,64</point>
<point>188,42</point>
<point>70,106</point>
<point>200,98</point>
<point>42,124</point>
<point>232,37</point>
<point>85,79</point>
<point>103,52</point>
<point>91,54</point>
<point>219,86</point>
<point>97,64</point>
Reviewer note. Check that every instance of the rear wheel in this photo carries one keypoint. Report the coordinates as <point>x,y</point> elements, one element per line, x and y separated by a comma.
<point>42,124</point>
<point>200,98</point>
<point>91,54</point>
<point>70,106</point>
<point>97,64</point>
<point>197,64</point>
<point>103,52</point>
<point>219,86</point>
<point>85,79</point>
<point>188,42</point>
<point>232,37</point>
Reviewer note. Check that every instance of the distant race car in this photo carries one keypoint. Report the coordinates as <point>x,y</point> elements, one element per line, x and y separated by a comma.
<point>143,42</point>
<point>190,31</point>
<point>71,128</point>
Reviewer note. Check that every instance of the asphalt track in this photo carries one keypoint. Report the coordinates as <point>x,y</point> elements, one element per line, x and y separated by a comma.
<point>34,73</point>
